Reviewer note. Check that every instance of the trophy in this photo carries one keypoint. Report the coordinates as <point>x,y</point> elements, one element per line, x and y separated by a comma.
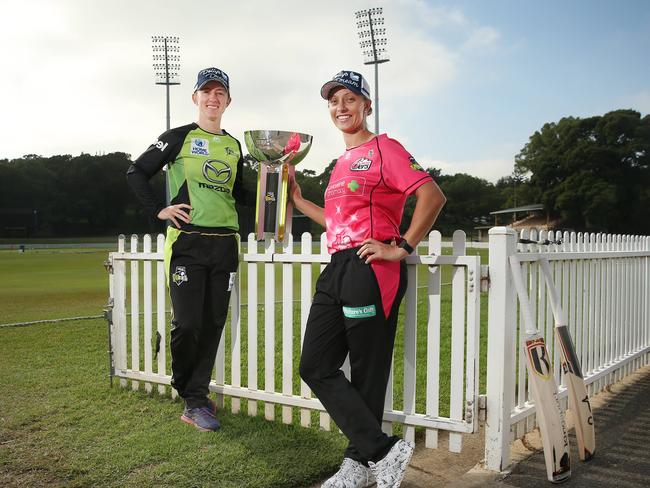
<point>277,152</point>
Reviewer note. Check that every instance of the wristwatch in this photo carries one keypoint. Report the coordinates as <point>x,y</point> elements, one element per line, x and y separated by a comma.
<point>403,243</point>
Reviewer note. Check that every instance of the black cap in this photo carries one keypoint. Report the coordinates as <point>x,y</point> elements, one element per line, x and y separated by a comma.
<point>351,80</point>
<point>212,74</point>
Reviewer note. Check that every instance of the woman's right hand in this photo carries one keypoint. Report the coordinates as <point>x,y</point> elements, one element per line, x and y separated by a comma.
<point>174,212</point>
<point>295,193</point>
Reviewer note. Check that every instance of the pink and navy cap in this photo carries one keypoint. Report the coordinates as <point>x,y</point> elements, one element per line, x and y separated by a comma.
<point>351,80</point>
<point>212,74</point>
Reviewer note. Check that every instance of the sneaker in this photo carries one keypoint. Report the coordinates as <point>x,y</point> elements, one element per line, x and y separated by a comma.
<point>201,418</point>
<point>351,474</point>
<point>389,471</point>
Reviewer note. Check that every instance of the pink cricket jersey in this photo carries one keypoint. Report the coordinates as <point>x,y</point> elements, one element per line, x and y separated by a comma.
<point>365,199</point>
<point>367,191</point>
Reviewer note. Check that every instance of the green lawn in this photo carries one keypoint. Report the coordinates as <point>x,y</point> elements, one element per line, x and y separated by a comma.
<point>61,423</point>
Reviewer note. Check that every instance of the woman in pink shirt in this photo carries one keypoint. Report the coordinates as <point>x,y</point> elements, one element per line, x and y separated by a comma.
<point>357,297</point>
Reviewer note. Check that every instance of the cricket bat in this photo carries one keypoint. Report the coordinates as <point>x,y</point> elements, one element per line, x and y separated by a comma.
<point>577,390</point>
<point>550,418</point>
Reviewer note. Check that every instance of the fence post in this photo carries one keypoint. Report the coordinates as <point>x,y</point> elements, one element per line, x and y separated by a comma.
<point>500,354</point>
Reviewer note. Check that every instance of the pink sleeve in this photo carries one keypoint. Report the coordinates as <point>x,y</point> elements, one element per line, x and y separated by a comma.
<point>400,170</point>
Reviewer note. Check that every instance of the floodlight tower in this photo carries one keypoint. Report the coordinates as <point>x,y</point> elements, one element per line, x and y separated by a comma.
<point>372,40</point>
<point>166,63</point>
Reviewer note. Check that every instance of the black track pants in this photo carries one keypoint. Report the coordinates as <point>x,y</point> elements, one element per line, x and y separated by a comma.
<point>347,316</point>
<point>201,276</point>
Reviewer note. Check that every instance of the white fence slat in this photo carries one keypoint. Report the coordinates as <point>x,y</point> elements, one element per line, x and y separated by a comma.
<point>269,327</point>
<point>458,284</point>
<point>148,309</point>
<point>119,311</point>
<point>305,305</point>
<point>433,339</point>
<point>287,330</point>
<point>161,313</point>
<point>252,300</point>
<point>135,311</point>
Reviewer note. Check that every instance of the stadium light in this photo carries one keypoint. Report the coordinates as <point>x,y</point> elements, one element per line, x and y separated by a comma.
<point>373,41</point>
<point>166,63</point>
<point>166,66</point>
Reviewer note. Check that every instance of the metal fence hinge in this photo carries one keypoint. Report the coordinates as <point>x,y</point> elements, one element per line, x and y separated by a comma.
<point>482,407</point>
<point>485,278</point>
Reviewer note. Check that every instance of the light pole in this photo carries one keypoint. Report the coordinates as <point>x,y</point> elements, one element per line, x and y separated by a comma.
<point>166,65</point>
<point>372,35</point>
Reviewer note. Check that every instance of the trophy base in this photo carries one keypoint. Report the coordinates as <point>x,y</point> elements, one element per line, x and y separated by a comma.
<point>274,211</point>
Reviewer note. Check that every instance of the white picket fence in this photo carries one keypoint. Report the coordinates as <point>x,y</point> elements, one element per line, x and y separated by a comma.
<point>604,283</point>
<point>446,314</point>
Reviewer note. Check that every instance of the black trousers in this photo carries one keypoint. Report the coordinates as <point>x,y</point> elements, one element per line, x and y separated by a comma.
<point>347,317</point>
<point>201,276</point>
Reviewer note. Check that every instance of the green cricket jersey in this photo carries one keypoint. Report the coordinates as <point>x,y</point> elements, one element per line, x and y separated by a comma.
<point>205,171</point>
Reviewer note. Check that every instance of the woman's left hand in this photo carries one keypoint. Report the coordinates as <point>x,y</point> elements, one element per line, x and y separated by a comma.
<point>373,250</point>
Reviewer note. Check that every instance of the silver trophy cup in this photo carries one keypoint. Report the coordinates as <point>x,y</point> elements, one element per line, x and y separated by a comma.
<point>277,153</point>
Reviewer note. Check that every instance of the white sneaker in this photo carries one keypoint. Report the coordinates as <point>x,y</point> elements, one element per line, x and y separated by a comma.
<point>389,471</point>
<point>351,474</point>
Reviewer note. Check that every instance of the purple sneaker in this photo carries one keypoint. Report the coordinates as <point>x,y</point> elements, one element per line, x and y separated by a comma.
<point>201,418</point>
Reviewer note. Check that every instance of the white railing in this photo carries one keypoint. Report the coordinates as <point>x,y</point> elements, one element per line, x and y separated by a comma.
<point>274,325</point>
<point>604,283</point>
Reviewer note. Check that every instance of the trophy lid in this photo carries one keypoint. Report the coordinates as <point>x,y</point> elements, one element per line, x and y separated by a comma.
<point>277,146</point>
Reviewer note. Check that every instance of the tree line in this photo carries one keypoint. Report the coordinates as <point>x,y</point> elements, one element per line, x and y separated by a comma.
<point>591,174</point>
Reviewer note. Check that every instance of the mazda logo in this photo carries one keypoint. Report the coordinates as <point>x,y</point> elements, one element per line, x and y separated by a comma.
<point>217,171</point>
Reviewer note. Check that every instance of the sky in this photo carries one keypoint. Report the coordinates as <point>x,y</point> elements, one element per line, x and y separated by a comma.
<point>467,84</point>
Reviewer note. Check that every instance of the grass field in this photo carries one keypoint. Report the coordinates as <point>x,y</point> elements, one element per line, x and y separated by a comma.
<point>62,425</point>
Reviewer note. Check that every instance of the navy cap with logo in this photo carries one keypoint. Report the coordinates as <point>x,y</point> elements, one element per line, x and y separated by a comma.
<point>351,80</point>
<point>212,74</point>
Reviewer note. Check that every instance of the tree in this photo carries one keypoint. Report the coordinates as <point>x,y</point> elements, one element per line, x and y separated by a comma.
<point>593,173</point>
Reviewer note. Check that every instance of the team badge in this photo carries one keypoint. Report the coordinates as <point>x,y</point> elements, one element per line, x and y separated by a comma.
<point>200,147</point>
<point>229,151</point>
<point>231,281</point>
<point>361,164</point>
<point>371,153</point>
<point>180,276</point>
<point>414,164</point>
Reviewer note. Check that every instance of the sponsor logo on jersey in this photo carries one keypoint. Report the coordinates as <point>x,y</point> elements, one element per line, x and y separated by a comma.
<point>360,312</point>
<point>160,145</point>
<point>207,186</point>
<point>348,186</point>
<point>200,147</point>
<point>216,171</point>
<point>414,164</point>
<point>269,197</point>
<point>180,276</point>
<point>361,164</point>
<point>342,241</point>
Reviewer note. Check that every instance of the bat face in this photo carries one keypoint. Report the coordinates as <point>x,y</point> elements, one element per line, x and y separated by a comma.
<point>552,426</point>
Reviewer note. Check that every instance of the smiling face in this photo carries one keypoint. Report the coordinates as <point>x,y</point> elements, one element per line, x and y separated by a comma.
<point>348,110</point>
<point>212,100</point>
